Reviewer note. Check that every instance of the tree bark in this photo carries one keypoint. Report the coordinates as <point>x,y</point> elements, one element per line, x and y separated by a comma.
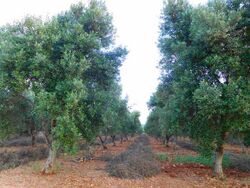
<point>175,143</point>
<point>121,139</point>
<point>51,157</point>
<point>113,140</point>
<point>218,170</point>
<point>32,131</point>
<point>50,161</point>
<point>219,152</point>
<point>167,138</point>
<point>102,142</point>
<point>33,138</point>
<point>48,167</point>
<point>88,154</point>
<point>126,137</point>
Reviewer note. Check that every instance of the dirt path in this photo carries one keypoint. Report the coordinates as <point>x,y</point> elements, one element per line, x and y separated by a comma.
<point>92,174</point>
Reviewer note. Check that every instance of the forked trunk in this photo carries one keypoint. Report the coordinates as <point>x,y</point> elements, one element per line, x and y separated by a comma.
<point>103,143</point>
<point>48,167</point>
<point>218,170</point>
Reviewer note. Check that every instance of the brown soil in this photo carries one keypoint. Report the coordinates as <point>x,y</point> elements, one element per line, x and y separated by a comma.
<point>92,174</point>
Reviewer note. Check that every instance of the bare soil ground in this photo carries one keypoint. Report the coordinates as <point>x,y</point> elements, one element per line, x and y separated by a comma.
<point>92,174</point>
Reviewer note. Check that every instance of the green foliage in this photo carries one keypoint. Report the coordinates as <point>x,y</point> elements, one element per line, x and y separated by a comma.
<point>152,126</point>
<point>63,75</point>
<point>162,156</point>
<point>204,89</point>
<point>117,119</point>
<point>63,131</point>
<point>207,161</point>
<point>5,130</point>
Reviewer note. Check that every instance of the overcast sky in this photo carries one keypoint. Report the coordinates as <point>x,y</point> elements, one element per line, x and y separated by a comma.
<point>137,25</point>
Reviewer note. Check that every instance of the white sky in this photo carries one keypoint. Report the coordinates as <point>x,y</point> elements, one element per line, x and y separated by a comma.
<point>137,24</point>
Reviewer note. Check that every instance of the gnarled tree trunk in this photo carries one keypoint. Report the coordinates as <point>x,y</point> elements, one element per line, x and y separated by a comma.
<point>218,170</point>
<point>50,161</point>
<point>32,131</point>
<point>219,152</point>
<point>166,141</point>
<point>52,151</point>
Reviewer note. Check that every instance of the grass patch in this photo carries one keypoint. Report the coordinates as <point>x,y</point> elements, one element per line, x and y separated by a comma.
<point>162,156</point>
<point>36,167</point>
<point>201,160</point>
<point>57,167</point>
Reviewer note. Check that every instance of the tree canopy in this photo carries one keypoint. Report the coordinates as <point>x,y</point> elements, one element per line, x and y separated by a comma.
<point>204,88</point>
<point>62,76</point>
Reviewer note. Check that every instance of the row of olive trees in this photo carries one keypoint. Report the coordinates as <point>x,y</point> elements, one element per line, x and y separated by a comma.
<point>204,90</point>
<point>61,77</point>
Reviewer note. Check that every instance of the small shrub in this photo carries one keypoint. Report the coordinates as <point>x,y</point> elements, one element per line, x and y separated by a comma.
<point>240,162</point>
<point>162,156</point>
<point>57,167</point>
<point>187,145</point>
<point>22,141</point>
<point>14,159</point>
